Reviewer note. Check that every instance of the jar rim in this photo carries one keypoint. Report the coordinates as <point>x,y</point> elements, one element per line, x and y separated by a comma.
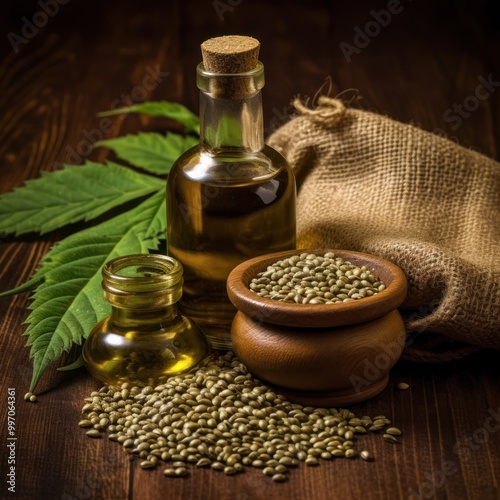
<point>154,281</point>
<point>165,269</point>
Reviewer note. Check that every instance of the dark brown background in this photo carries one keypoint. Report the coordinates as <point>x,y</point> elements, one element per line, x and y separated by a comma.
<point>427,59</point>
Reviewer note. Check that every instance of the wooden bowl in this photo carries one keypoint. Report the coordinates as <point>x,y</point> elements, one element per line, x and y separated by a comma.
<point>319,354</point>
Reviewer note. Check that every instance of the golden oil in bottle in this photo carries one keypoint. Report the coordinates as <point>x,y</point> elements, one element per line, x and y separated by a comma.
<point>229,199</point>
<point>145,339</point>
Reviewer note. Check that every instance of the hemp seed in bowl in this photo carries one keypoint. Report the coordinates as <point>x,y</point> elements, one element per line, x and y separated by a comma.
<point>314,279</point>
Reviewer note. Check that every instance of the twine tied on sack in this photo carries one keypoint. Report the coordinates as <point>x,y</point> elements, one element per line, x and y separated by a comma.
<point>329,111</point>
<point>371,184</point>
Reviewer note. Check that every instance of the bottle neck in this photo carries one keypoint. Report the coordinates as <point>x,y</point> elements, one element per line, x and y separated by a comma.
<point>231,124</point>
<point>231,110</point>
<point>133,318</point>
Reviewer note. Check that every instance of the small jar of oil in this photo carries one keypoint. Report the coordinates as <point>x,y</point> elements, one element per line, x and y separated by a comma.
<point>145,339</point>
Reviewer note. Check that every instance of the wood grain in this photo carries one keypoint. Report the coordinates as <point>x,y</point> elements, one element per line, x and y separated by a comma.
<point>90,54</point>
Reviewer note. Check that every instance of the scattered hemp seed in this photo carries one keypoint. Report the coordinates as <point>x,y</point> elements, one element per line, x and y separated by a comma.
<point>390,439</point>
<point>279,478</point>
<point>393,431</point>
<point>93,433</point>
<point>402,386</point>
<point>365,455</point>
<point>221,417</point>
<point>312,279</point>
<point>30,397</point>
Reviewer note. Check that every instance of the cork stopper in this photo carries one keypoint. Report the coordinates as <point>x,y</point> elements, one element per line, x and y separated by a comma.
<point>230,54</point>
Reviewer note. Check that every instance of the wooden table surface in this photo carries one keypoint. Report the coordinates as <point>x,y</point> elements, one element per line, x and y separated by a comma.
<point>427,59</point>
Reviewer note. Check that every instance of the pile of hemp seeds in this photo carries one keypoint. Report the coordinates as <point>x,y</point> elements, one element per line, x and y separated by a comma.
<point>314,279</point>
<point>221,417</point>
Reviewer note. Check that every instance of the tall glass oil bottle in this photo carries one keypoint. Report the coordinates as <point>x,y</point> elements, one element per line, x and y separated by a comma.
<point>232,197</point>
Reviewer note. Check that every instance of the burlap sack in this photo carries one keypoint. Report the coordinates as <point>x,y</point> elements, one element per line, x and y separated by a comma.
<point>368,183</point>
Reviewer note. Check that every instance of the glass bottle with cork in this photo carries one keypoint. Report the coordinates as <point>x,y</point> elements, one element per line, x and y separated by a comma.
<point>232,197</point>
<point>145,339</point>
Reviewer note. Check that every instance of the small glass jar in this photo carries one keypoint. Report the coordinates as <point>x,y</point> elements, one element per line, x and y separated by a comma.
<point>145,339</point>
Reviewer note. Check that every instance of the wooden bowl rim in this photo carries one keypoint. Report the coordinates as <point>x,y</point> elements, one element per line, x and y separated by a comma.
<point>317,315</point>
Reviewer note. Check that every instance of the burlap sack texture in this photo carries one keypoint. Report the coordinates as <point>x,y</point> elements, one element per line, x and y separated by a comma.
<point>372,184</point>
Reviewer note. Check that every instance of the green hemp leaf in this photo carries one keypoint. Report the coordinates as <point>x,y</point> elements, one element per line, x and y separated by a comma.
<point>165,109</point>
<point>150,151</point>
<point>70,195</point>
<point>67,297</point>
